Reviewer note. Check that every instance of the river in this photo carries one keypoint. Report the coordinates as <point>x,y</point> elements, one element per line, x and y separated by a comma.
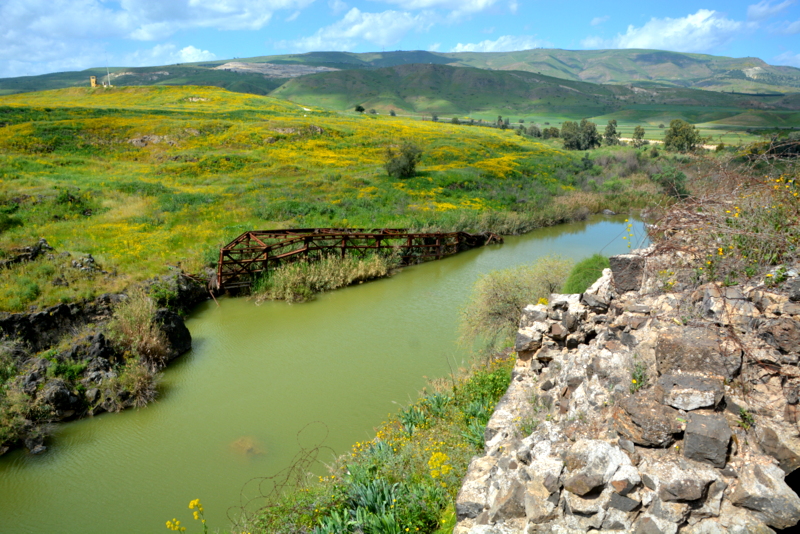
<point>231,409</point>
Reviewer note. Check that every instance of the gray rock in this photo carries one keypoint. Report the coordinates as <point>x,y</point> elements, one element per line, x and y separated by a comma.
<point>782,333</point>
<point>687,391</point>
<point>676,480</point>
<point>623,503</point>
<point>174,328</point>
<point>595,303</point>
<point>508,503</point>
<point>625,479</point>
<point>628,272</point>
<point>533,313</point>
<point>771,443</point>
<point>645,422</point>
<point>700,350</point>
<point>761,488</point>
<point>706,439</point>
<point>583,483</point>
<point>57,394</point>
<point>793,287</point>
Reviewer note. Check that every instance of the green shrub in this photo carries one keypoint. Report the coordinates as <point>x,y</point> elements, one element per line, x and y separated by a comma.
<point>585,273</point>
<point>401,162</point>
<point>673,182</point>
<point>493,310</point>
<point>134,331</point>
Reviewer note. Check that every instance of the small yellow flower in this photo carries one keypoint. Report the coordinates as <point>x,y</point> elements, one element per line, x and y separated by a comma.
<point>633,381</point>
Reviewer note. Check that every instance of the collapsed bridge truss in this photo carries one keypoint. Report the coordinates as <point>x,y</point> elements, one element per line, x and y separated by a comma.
<point>256,252</point>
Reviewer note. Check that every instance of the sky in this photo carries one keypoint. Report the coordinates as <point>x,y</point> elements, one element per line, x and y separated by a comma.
<point>42,36</point>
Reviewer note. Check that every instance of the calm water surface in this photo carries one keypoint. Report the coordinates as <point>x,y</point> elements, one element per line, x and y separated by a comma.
<point>231,409</point>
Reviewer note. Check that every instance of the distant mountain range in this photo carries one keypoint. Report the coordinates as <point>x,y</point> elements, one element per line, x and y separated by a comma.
<point>643,68</point>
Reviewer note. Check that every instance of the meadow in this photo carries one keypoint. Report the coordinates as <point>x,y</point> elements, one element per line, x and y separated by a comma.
<point>148,179</point>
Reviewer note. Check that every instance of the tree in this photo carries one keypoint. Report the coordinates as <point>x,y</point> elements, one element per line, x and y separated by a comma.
<point>392,113</point>
<point>360,108</point>
<point>611,137</point>
<point>638,136</point>
<point>682,136</point>
<point>401,162</point>
<point>455,120</point>
<point>435,117</point>
<point>551,132</point>
<point>373,111</point>
<point>534,131</point>
<point>581,136</point>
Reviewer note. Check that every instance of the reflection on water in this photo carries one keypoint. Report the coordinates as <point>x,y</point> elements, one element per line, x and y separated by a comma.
<point>232,409</point>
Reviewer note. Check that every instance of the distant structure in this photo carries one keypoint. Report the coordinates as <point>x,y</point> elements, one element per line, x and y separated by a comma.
<point>93,80</point>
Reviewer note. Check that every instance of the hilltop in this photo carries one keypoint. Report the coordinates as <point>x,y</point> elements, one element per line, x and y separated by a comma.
<point>643,68</point>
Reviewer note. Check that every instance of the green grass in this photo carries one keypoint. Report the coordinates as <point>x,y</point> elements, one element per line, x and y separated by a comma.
<point>585,273</point>
<point>144,178</point>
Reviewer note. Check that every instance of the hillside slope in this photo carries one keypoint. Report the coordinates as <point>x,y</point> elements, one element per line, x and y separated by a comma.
<point>640,67</point>
<point>443,89</point>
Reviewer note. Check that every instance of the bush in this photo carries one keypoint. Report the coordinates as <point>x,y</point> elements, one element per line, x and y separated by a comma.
<point>673,182</point>
<point>492,314</point>
<point>585,273</point>
<point>402,162</point>
<point>134,331</point>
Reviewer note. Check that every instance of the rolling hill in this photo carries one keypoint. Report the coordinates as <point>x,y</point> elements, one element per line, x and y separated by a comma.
<point>643,68</point>
<point>443,89</point>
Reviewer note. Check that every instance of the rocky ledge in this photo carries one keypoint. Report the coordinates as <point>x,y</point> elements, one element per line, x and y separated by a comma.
<point>638,408</point>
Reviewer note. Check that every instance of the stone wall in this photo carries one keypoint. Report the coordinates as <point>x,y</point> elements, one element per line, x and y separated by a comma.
<point>637,407</point>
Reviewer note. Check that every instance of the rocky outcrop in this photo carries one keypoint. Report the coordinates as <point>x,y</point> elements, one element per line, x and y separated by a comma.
<point>653,411</point>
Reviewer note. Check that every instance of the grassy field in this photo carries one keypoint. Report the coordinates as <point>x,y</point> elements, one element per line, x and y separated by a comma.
<point>151,178</point>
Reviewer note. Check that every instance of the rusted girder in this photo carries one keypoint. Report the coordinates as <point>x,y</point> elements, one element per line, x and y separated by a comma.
<point>257,251</point>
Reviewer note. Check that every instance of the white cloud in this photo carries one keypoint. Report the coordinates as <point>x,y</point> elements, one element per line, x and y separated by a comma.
<point>457,8</point>
<point>337,6</point>
<point>506,43</point>
<point>293,16</point>
<point>793,28</point>
<point>703,31</point>
<point>382,29</point>
<point>434,47</point>
<point>599,20</point>
<point>787,58</point>
<point>39,36</point>
<point>513,6</point>
<point>167,54</point>
<point>764,9</point>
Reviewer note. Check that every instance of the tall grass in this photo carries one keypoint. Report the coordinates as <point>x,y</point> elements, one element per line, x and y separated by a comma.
<point>134,331</point>
<point>585,273</point>
<point>299,281</point>
<point>492,313</point>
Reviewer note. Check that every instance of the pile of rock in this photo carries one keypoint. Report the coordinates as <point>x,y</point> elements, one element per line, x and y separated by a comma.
<point>639,410</point>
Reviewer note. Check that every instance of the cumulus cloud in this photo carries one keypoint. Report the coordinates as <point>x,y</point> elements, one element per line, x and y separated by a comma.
<point>434,47</point>
<point>382,29</point>
<point>764,9</point>
<point>167,54</point>
<point>39,35</point>
<point>599,20</point>
<point>787,58</point>
<point>506,43</point>
<point>703,31</point>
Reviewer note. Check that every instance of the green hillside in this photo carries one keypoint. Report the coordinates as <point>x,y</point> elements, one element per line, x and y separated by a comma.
<point>478,93</point>
<point>643,68</point>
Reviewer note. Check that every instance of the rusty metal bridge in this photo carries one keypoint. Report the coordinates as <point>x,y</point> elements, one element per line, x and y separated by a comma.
<point>258,251</point>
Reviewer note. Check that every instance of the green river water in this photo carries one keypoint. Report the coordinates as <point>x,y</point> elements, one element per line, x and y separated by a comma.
<point>231,409</point>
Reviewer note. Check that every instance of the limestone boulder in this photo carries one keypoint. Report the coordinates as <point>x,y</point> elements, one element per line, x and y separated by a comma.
<point>686,391</point>
<point>761,488</point>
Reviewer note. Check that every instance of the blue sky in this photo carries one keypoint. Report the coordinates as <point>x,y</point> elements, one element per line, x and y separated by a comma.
<point>41,36</point>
